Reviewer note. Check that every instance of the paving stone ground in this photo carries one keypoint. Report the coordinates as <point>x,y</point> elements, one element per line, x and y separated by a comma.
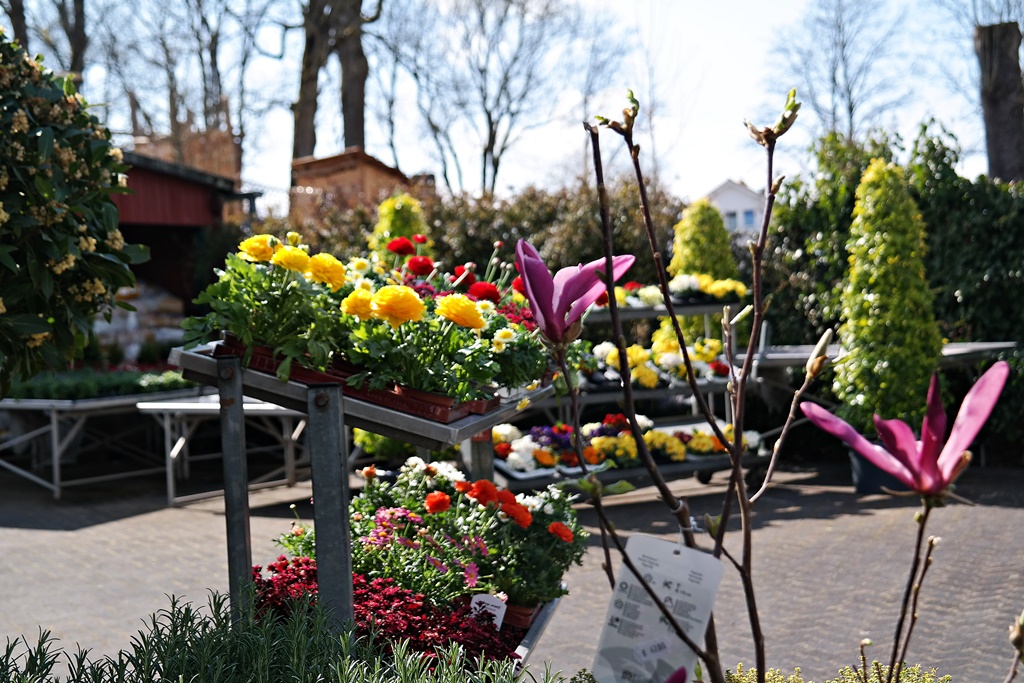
<point>829,568</point>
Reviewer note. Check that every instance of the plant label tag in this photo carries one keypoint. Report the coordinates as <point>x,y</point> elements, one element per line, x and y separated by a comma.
<point>484,602</point>
<point>637,643</point>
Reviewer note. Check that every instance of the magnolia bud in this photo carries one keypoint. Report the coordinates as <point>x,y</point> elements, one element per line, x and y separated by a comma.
<point>777,185</point>
<point>1017,634</point>
<point>819,356</point>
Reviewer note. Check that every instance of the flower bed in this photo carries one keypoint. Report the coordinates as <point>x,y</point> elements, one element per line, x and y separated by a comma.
<point>431,541</point>
<point>381,327</point>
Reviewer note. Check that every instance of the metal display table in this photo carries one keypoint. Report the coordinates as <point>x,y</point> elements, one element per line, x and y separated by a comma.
<point>327,413</point>
<point>66,420</point>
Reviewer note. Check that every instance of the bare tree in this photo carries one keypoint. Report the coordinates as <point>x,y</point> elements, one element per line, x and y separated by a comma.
<point>1002,98</point>
<point>15,11</point>
<point>354,67</point>
<point>843,60</point>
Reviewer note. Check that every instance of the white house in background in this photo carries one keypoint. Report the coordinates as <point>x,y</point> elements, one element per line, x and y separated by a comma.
<point>741,207</point>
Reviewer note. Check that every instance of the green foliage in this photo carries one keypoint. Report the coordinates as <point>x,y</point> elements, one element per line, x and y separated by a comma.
<point>382,448</point>
<point>564,224</point>
<point>186,643</point>
<point>877,674</point>
<point>62,257</point>
<point>89,383</point>
<point>397,216</point>
<point>888,331</point>
<point>701,244</point>
<point>806,258</point>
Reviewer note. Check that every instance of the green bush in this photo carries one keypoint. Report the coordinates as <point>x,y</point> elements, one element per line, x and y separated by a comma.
<point>889,332</point>
<point>89,383</point>
<point>184,643</point>
<point>62,257</point>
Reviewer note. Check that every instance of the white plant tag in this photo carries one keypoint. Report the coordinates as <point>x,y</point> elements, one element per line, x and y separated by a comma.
<point>489,603</point>
<point>637,644</point>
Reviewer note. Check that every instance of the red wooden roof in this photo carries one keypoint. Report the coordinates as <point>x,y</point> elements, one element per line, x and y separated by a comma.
<point>171,195</point>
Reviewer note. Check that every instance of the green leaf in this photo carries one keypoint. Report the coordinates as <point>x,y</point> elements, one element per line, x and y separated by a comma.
<point>27,323</point>
<point>5,257</point>
<point>69,86</point>
<point>136,253</point>
<point>618,488</point>
<point>45,144</point>
<point>43,186</point>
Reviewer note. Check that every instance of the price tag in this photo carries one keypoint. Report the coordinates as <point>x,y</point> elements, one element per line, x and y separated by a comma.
<point>637,643</point>
<point>489,603</point>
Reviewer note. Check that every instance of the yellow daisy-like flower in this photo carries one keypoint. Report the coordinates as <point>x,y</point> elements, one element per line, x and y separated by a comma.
<point>523,404</point>
<point>461,310</point>
<point>327,269</point>
<point>359,303</point>
<point>485,306</point>
<point>259,248</point>
<point>498,346</point>
<point>398,304</point>
<point>506,335</point>
<point>291,258</point>
<point>359,265</point>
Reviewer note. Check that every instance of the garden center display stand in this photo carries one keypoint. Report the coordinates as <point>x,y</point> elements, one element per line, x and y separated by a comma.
<point>327,413</point>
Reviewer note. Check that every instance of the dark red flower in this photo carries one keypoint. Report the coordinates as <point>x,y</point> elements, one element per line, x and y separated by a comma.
<point>420,265</point>
<point>469,278</point>
<point>502,450</point>
<point>603,299</point>
<point>484,290</point>
<point>632,286</point>
<point>517,285</point>
<point>419,238</point>
<point>401,246</point>
<point>437,501</point>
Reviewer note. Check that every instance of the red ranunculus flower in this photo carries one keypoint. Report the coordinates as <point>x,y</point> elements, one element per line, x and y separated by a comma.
<point>419,238</point>
<point>502,450</point>
<point>468,280</point>
<point>463,486</point>
<point>484,492</point>
<point>420,265</point>
<point>518,513</point>
<point>603,299</point>
<point>484,290</point>
<point>517,285</point>
<point>506,497</point>
<point>719,368</point>
<point>401,246</point>
<point>561,530</point>
<point>437,501</point>
<point>632,286</point>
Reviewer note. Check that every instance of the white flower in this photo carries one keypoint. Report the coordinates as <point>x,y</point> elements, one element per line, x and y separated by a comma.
<point>414,464</point>
<point>670,361</point>
<point>650,295</point>
<point>588,429</point>
<point>752,439</point>
<point>645,423</point>
<point>602,350</point>
<point>549,509</point>
<point>683,283</point>
<point>506,335</point>
<point>449,470</point>
<point>486,307</point>
<point>521,463</point>
<point>505,433</point>
<point>531,503</point>
<point>524,446</point>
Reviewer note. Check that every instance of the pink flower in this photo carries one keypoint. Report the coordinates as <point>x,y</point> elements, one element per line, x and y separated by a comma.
<point>471,574</point>
<point>920,464</point>
<point>558,302</point>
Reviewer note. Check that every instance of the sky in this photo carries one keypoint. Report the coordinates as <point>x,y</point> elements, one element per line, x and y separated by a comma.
<point>713,64</point>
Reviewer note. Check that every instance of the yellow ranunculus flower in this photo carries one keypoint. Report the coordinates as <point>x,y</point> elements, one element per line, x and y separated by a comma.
<point>644,376</point>
<point>398,304</point>
<point>327,269</point>
<point>291,258</point>
<point>461,310</point>
<point>359,303</point>
<point>258,247</point>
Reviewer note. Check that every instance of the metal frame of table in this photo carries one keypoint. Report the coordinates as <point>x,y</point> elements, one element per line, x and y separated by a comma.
<point>61,441</point>
<point>180,419</point>
<point>327,413</point>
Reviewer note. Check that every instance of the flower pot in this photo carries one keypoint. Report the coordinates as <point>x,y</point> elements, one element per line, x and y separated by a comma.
<point>482,406</point>
<point>520,616</point>
<point>425,396</point>
<point>262,359</point>
<point>868,478</point>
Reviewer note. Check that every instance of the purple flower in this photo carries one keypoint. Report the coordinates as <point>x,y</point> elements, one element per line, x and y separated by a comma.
<point>558,302</point>
<point>471,574</point>
<point>920,464</point>
<point>437,564</point>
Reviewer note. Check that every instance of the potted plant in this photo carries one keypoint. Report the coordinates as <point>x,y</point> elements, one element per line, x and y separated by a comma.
<point>888,332</point>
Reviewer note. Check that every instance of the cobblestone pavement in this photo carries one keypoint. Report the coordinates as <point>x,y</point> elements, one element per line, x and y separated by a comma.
<point>830,568</point>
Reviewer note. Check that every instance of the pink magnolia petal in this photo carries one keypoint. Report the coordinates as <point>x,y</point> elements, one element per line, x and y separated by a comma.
<point>899,440</point>
<point>679,676</point>
<point>974,411</point>
<point>933,428</point>
<point>620,264</point>
<point>877,455</point>
<point>539,288</point>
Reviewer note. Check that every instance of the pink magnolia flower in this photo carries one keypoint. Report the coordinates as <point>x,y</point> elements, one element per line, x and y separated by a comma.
<point>920,464</point>
<point>558,302</point>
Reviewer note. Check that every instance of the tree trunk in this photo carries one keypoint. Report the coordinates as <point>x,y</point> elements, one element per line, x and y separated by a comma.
<point>1002,98</point>
<point>317,30</point>
<point>16,12</point>
<point>354,70</point>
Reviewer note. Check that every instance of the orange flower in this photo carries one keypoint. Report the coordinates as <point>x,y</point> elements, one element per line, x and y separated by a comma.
<point>592,455</point>
<point>544,458</point>
<point>562,531</point>
<point>502,450</point>
<point>437,501</point>
<point>506,497</point>
<point>483,492</point>
<point>463,486</point>
<point>518,513</point>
